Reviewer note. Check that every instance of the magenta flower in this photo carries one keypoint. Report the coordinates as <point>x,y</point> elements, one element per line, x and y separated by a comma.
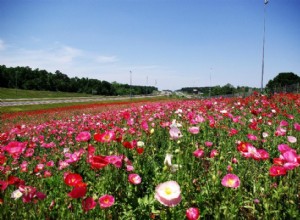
<point>208,143</point>
<point>231,180</point>
<point>297,126</point>
<point>106,201</point>
<point>192,213</point>
<point>15,148</point>
<point>252,137</point>
<point>168,193</point>
<point>83,136</point>
<point>198,153</point>
<point>134,179</point>
<point>88,204</point>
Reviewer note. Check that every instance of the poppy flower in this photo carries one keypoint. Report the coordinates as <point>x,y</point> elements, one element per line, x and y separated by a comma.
<point>231,180</point>
<point>194,130</point>
<point>98,162</point>
<point>83,136</point>
<point>175,133</point>
<point>78,192</point>
<point>168,193</point>
<point>105,137</point>
<point>134,178</point>
<point>88,204</point>
<point>106,201</point>
<point>198,153</point>
<point>277,171</point>
<point>73,179</point>
<point>192,213</point>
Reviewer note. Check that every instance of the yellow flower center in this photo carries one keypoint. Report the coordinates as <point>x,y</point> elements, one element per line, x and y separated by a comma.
<point>168,190</point>
<point>230,182</point>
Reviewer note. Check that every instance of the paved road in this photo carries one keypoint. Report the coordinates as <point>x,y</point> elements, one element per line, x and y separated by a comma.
<point>18,102</point>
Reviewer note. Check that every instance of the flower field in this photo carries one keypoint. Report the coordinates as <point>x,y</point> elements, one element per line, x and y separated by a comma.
<point>225,158</point>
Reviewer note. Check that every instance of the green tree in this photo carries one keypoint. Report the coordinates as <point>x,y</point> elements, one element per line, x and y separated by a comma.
<point>282,80</point>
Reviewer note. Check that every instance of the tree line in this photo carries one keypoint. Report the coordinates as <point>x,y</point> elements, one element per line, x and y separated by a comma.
<point>227,89</point>
<point>36,79</point>
<point>283,82</point>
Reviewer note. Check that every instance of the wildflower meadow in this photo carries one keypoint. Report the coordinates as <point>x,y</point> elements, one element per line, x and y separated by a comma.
<point>224,158</point>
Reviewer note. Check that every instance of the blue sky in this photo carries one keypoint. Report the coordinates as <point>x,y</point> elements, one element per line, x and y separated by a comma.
<point>172,43</point>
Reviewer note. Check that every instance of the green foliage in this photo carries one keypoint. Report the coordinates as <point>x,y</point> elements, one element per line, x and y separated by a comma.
<point>282,80</point>
<point>26,78</point>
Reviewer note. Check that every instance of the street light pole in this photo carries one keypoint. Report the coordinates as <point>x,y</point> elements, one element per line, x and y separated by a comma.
<point>263,53</point>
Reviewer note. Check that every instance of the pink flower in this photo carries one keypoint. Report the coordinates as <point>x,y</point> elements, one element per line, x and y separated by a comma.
<point>168,193</point>
<point>115,160</point>
<point>214,153</point>
<point>83,136</point>
<point>292,139</point>
<point>192,213</point>
<point>194,130</point>
<point>198,153</point>
<point>106,137</point>
<point>208,143</point>
<point>231,180</point>
<point>175,133</point>
<point>284,147</point>
<point>234,160</point>
<point>134,178</point>
<point>106,201</point>
<point>252,137</point>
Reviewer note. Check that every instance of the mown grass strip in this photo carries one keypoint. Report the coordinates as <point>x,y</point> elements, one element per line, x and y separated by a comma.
<point>6,93</point>
<point>24,108</point>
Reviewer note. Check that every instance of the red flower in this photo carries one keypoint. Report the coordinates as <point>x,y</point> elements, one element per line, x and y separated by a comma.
<point>2,159</point>
<point>88,204</point>
<point>78,192</point>
<point>98,162</point>
<point>277,171</point>
<point>128,145</point>
<point>13,180</point>
<point>139,150</point>
<point>243,147</point>
<point>73,179</point>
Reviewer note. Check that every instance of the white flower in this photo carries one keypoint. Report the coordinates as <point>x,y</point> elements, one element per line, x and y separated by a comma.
<point>16,194</point>
<point>140,144</point>
<point>168,162</point>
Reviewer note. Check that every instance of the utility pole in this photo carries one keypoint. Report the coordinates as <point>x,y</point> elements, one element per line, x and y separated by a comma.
<point>210,82</point>
<point>147,86</point>
<point>17,82</point>
<point>130,83</point>
<point>263,52</point>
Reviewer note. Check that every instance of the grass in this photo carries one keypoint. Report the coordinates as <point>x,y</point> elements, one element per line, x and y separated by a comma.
<point>24,108</point>
<point>6,93</point>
